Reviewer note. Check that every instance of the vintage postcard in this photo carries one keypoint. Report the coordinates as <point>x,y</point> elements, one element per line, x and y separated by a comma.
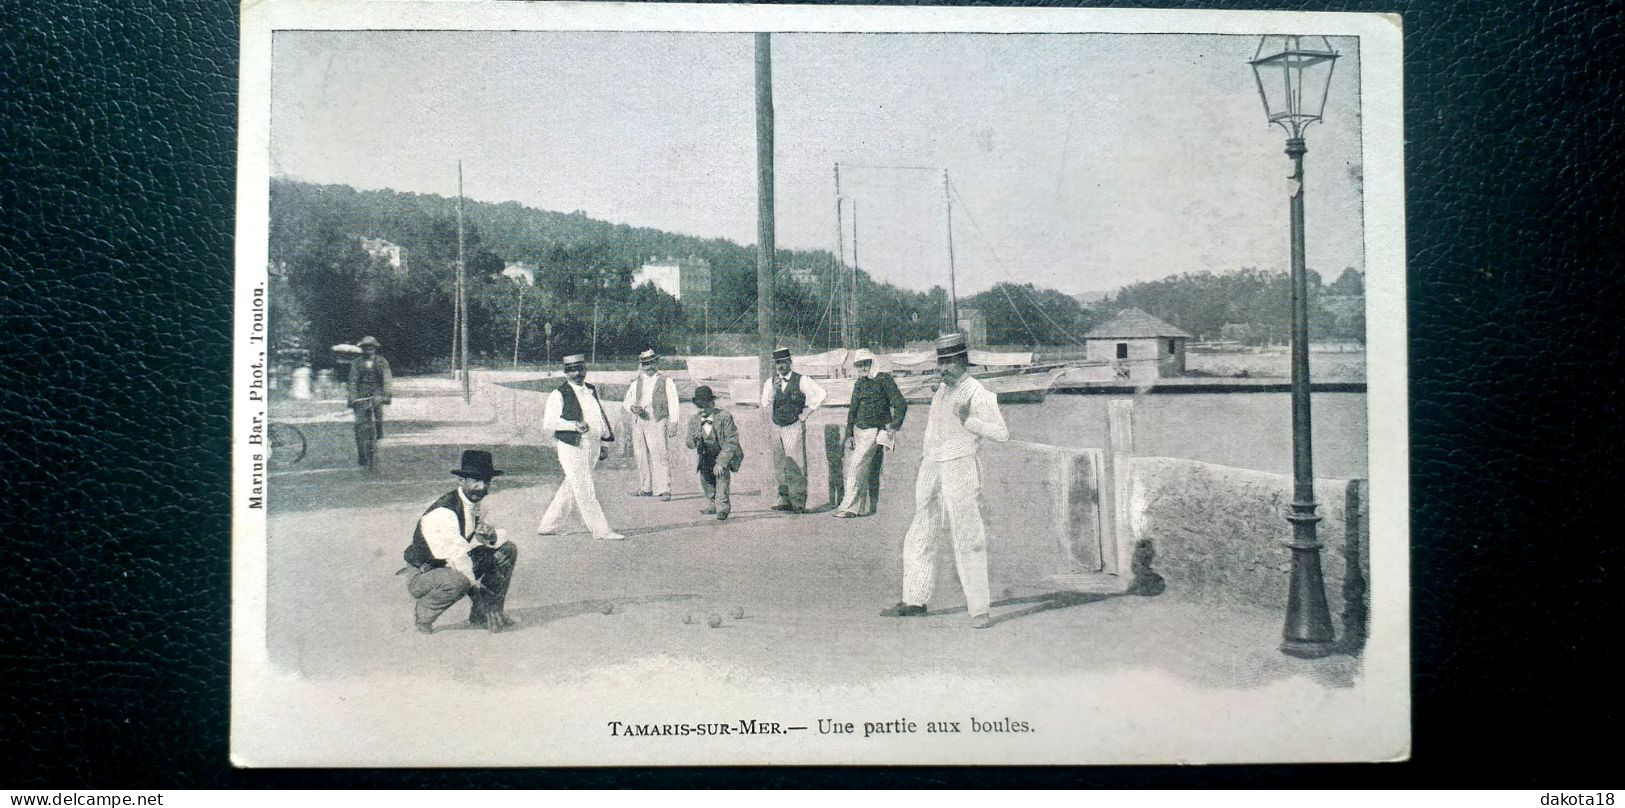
<point>658,384</point>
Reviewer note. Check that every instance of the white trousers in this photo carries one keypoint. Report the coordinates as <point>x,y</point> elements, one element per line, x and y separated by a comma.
<point>577,492</point>
<point>790,462</point>
<point>947,495</point>
<point>855,495</point>
<point>649,447</point>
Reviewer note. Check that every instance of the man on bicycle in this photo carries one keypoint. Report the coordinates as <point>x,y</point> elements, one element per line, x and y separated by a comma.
<point>369,392</point>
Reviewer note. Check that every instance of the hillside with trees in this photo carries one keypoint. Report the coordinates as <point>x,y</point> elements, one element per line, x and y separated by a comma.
<point>1250,305</point>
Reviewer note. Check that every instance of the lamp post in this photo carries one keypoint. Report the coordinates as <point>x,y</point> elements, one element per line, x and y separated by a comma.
<point>1294,75</point>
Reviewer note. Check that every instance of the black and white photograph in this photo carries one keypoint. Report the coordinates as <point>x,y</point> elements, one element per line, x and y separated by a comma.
<point>728,385</point>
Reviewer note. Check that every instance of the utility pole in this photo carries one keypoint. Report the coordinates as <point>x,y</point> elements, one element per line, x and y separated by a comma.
<point>953,291</point>
<point>462,287</point>
<point>595,329</point>
<point>765,250</point>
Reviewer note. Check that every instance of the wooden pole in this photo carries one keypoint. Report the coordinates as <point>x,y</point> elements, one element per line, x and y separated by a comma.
<point>953,290</point>
<point>462,288</point>
<point>518,317</point>
<point>765,250</point>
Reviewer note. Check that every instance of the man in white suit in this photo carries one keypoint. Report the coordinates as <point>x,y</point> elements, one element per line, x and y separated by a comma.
<point>948,490</point>
<point>652,401</point>
<point>580,429</point>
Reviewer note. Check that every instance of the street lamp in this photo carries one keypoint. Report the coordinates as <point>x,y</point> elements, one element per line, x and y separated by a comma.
<point>1294,75</point>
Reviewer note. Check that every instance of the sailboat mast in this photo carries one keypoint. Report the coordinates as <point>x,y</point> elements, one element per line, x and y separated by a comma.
<point>953,292</point>
<point>835,282</point>
<point>852,299</point>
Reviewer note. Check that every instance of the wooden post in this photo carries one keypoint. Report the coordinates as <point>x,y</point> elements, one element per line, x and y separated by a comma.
<point>1118,549</point>
<point>765,250</point>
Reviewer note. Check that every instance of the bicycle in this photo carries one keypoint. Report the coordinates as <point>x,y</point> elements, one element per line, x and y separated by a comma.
<point>287,444</point>
<point>369,429</point>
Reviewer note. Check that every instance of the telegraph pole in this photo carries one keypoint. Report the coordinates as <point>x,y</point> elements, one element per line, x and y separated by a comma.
<point>852,297</point>
<point>462,287</point>
<point>953,290</point>
<point>836,281</point>
<point>764,203</point>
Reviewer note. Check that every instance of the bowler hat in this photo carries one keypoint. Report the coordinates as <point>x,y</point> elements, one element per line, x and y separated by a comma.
<point>477,464</point>
<point>951,345</point>
<point>367,342</point>
<point>704,397</point>
<point>781,355</point>
<point>648,357</point>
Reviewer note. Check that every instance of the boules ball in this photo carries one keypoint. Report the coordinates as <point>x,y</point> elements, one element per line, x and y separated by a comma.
<point>739,613</point>
<point>688,619</point>
<point>608,608</point>
<point>715,621</point>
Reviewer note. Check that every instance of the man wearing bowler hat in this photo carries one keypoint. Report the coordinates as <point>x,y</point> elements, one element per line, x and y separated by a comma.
<point>580,429</point>
<point>652,401</point>
<point>369,389</point>
<point>789,399</point>
<point>948,490</point>
<point>713,435</point>
<point>455,552</point>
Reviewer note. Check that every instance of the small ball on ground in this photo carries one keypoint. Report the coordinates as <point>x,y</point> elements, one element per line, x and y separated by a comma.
<point>715,621</point>
<point>739,613</point>
<point>688,619</point>
<point>608,608</point>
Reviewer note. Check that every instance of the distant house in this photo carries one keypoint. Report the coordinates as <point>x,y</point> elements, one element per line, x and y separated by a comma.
<point>521,272</point>
<point>803,275</point>
<point>386,251</point>
<point>1141,345</point>
<point>687,279</point>
<point>973,324</point>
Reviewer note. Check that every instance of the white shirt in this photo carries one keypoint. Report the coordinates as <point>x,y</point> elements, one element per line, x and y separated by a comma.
<point>946,436</point>
<point>440,532</point>
<point>649,383</point>
<point>815,394</point>
<point>591,412</point>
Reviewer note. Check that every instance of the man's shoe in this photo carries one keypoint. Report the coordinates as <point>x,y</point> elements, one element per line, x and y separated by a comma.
<point>540,532</point>
<point>709,509</point>
<point>722,516</point>
<point>904,610</point>
<point>981,621</point>
<point>425,628</point>
<point>497,623</point>
<point>643,493</point>
<point>782,506</point>
<point>612,537</point>
<point>844,515</point>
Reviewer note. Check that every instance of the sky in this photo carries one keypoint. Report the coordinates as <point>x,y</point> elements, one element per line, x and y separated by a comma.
<point>1081,162</point>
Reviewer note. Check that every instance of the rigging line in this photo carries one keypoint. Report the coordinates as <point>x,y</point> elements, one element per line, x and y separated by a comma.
<point>1061,332</point>
<point>991,251</point>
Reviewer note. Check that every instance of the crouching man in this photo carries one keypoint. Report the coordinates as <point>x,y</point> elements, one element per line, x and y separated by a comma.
<point>714,437</point>
<point>454,552</point>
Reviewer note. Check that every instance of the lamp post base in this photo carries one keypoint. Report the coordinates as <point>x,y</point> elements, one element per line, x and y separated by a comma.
<point>1304,649</point>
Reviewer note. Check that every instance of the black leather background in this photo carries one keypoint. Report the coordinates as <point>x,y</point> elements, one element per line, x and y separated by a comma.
<point>116,206</point>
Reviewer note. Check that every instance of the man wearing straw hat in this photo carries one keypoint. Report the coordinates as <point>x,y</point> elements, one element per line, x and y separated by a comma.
<point>455,552</point>
<point>580,429</point>
<point>872,422</point>
<point>789,399</point>
<point>652,401</point>
<point>948,490</point>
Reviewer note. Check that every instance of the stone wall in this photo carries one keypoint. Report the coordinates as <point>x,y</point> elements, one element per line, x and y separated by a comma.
<point>1219,533</point>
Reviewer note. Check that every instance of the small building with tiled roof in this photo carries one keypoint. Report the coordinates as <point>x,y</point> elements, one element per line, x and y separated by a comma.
<point>1139,345</point>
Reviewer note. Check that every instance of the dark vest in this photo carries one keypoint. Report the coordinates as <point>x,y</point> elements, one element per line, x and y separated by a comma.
<point>417,553</point>
<point>571,411</point>
<point>789,402</point>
